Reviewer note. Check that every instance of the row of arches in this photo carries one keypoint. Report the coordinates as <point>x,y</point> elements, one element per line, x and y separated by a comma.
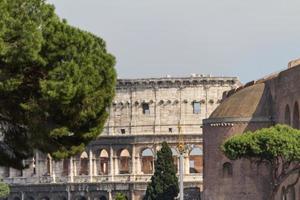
<point>292,119</point>
<point>124,162</point>
<point>60,198</point>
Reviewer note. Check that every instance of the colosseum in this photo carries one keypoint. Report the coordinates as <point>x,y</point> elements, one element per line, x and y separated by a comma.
<point>258,104</point>
<point>144,113</point>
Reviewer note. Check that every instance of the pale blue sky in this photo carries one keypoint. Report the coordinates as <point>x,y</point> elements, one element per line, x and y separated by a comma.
<point>153,38</point>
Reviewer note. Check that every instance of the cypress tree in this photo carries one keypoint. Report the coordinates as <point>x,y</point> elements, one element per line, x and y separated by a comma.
<point>4,190</point>
<point>164,182</point>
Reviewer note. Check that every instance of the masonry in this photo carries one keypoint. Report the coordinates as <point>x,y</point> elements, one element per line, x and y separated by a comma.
<point>144,113</point>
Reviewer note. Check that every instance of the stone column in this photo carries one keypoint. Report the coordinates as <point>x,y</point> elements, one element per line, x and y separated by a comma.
<point>95,166</point>
<point>186,164</point>
<point>37,164</point>
<point>109,195</point>
<point>74,167</point>
<point>91,165</point>
<point>71,172</point>
<point>134,167</point>
<point>53,166</point>
<point>116,162</point>
<point>111,163</point>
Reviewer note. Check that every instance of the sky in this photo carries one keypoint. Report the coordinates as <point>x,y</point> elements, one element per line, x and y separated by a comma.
<point>155,38</point>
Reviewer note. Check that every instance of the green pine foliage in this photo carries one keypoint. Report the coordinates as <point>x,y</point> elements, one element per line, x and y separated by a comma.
<point>164,182</point>
<point>277,146</point>
<point>56,82</point>
<point>4,190</point>
<point>267,144</point>
<point>120,196</point>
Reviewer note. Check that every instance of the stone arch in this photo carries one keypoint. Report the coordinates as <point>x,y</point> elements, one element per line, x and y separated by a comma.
<point>175,156</point>
<point>103,162</point>
<point>196,160</point>
<point>296,115</point>
<point>84,164</point>
<point>124,162</point>
<point>287,115</point>
<point>147,161</point>
<point>227,170</point>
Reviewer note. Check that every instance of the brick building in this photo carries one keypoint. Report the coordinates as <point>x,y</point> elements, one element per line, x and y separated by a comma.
<point>258,104</point>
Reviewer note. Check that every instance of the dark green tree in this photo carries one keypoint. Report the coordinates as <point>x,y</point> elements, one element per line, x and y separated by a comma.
<point>4,190</point>
<point>164,182</point>
<point>277,146</point>
<point>120,196</point>
<point>56,83</point>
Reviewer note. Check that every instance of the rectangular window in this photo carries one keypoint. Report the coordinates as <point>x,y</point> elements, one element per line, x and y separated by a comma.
<point>146,109</point>
<point>170,130</point>
<point>123,131</point>
<point>196,107</point>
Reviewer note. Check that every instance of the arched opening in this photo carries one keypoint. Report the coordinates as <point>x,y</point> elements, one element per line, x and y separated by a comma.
<point>104,162</point>
<point>103,198</point>
<point>48,165</point>
<point>6,172</point>
<point>124,162</point>
<point>175,155</point>
<point>29,198</point>
<point>44,198</point>
<point>147,161</point>
<point>19,172</point>
<point>81,198</point>
<point>196,160</point>
<point>227,170</point>
<point>17,198</point>
<point>66,167</point>
<point>296,116</point>
<point>84,164</point>
<point>287,115</point>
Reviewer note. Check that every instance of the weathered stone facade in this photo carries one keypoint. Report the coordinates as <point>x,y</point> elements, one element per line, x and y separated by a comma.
<point>144,113</point>
<point>258,104</point>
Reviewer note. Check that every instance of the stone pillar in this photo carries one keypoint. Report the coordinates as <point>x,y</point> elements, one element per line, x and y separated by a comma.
<point>134,167</point>
<point>37,164</point>
<point>74,167</point>
<point>186,165</point>
<point>95,168</point>
<point>116,162</point>
<point>53,166</point>
<point>110,195</point>
<point>91,165</point>
<point>71,173</point>
<point>111,163</point>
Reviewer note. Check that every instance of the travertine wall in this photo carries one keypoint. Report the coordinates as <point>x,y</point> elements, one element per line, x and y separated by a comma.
<point>130,128</point>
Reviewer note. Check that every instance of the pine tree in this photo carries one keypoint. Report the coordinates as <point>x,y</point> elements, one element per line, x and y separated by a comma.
<point>4,190</point>
<point>56,83</point>
<point>164,182</point>
<point>120,196</point>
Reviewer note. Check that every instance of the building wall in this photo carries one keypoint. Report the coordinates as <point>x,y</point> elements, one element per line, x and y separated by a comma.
<point>144,113</point>
<point>249,181</point>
